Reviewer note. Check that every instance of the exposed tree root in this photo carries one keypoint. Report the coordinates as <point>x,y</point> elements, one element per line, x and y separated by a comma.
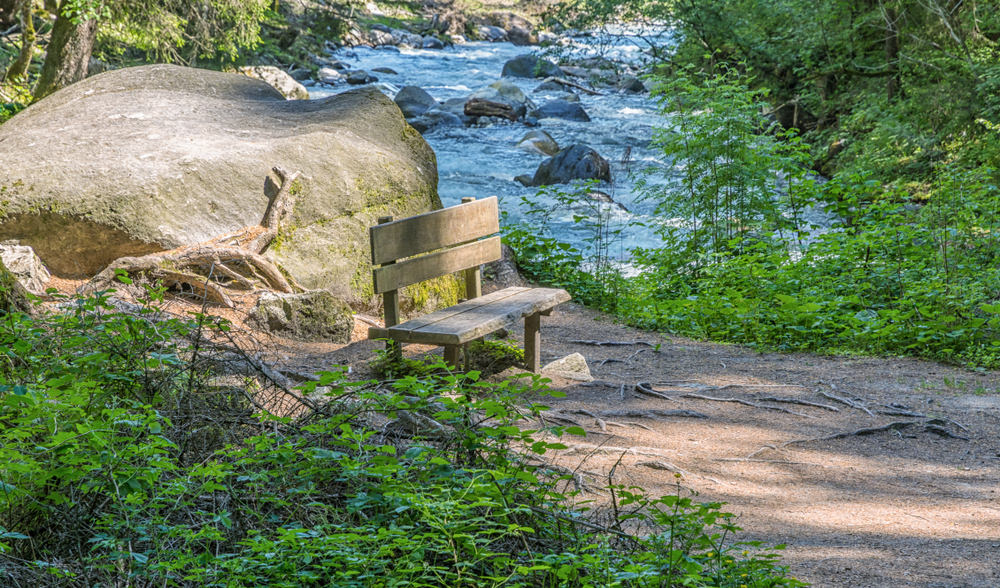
<point>211,269</point>
<point>747,403</point>
<point>796,401</point>
<point>652,413</point>
<point>611,343</point>
<point>647,389</point>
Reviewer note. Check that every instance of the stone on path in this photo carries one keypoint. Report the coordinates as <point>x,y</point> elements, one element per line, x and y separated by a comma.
<point>571,367</point>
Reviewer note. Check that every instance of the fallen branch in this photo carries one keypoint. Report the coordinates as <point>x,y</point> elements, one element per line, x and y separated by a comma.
<point>565,82</point>
<point>775,461</point>
<point>747,403</point>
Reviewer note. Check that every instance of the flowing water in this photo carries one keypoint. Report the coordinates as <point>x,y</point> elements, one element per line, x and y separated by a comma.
<point>483,161</point>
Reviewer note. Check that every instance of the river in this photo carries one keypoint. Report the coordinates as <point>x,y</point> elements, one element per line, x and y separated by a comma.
<point>483,161</point>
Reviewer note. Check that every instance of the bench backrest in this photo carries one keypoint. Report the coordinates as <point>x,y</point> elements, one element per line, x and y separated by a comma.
<point>434,244</point>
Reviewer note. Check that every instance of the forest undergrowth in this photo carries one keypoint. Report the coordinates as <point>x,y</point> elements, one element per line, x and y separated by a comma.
<point>140,448</point>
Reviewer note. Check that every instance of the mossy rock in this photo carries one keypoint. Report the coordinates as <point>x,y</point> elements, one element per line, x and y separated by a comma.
<point>13,296</point>
<point>144,159</point>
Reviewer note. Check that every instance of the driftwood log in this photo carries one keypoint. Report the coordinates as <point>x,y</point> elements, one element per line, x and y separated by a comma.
<point>233,261</point>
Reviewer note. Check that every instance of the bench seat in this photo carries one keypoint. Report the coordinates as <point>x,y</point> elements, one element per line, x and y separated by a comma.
<point>476,318</point>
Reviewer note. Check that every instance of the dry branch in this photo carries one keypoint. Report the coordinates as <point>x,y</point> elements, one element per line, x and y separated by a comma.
<point>565,82</point>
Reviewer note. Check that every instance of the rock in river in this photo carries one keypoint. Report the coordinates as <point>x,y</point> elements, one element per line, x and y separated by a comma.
<point>530,66</point>
<point>576,162</point>
<point>561,109</point>
<point>414,101</point>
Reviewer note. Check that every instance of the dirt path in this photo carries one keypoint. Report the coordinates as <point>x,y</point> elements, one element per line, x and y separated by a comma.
<point>913,505</point>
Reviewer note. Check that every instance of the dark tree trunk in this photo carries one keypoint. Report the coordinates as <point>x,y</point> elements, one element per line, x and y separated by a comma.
<point>20,66</point>
<point>68,54</point>
<point>892,85</point>
<point>8,13</point>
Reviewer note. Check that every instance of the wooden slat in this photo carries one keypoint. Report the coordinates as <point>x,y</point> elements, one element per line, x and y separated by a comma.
<point>468,305</point>
<point>477,321</point>
<point>433,230</point>
<point>439,263</point>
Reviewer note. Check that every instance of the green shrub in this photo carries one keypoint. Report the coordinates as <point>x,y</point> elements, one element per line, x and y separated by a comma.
<point>109,477</point>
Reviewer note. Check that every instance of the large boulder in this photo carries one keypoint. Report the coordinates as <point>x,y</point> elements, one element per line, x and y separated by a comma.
<point>530,66</point>
<point>576,162</point>
<point>145,159</point>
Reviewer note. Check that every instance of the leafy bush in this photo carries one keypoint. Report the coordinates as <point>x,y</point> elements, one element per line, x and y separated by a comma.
<point>892,276</point>
<point>120,465</point>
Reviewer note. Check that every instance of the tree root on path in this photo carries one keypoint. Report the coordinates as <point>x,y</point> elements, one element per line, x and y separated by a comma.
<point>747,403</point>
<point>931,426</point>
<point>213,268</point>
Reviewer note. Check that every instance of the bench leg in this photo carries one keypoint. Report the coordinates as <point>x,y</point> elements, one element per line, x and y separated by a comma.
<point>532,342</point>
<point>452,354</point>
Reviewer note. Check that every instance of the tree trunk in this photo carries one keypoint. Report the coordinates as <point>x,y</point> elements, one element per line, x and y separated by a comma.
<point>893,84</point>
<point>68,54</point>
<point>8,13</point>
<point>20,66</point>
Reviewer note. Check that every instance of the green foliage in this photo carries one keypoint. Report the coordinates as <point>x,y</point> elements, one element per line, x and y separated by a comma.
<point>177,30</point>
<point>731,161</point>
<point>592,272</point>
<point>102,484</point>
<point>894,277</point>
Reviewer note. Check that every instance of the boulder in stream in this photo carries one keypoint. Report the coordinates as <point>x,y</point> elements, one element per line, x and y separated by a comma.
<point>561,109</point>
<point>25,265</point>
<point>506,93</point>
<point>359,77</point>
<point>538,141</point>
<point>414,101</point>
<point>142,160</point>
<point>530,66</point>
<point>576,162</point>
<point>434,118</point>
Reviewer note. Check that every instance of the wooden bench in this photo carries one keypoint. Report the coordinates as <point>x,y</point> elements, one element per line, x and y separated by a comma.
<point>458,238</point>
